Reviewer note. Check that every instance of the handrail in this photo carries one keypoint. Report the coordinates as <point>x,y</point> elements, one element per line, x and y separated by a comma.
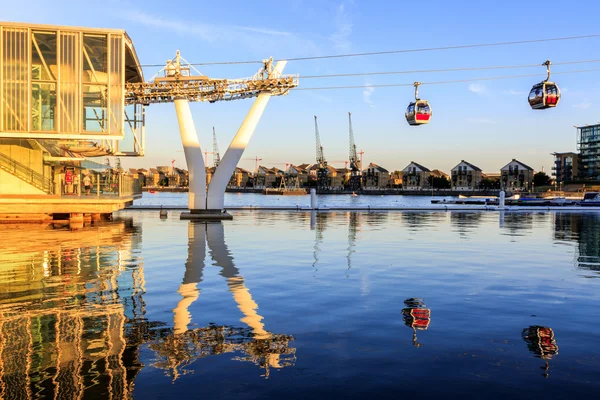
<point>25,173</point>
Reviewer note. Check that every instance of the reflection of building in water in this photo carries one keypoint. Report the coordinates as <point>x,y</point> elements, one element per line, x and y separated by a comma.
<point>518,223</point>
<point>465,222</point>
<point>259,346</point>
<point>416,316</point>
<point>540,341</point>
<point>354,225</point>
<point>418,221</point>
<point>62,313</point>
<point>584,229</point>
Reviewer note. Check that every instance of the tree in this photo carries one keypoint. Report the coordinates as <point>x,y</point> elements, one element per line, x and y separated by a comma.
<point>541,179</point>
<point>440,182</point>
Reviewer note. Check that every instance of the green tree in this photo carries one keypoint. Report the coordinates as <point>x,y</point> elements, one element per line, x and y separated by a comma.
<point>541,179</point>
<point>440,182</point>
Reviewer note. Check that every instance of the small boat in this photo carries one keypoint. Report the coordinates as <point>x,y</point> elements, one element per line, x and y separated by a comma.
<point>590,199</point>
<point>151,191</point>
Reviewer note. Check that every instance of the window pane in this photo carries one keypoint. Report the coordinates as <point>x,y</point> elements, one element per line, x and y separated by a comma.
<point>94,108</point>
<point>43,106</point>
<point>69,109</point>
<point>43,56</point>
<point>14,69</point>
<point>95,59</point>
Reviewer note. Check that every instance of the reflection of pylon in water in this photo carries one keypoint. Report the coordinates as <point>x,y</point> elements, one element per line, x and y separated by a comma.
<point>540,341</point>
<point>416,316</point>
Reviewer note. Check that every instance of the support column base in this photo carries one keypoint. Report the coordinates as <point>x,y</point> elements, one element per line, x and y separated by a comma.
<point>206,215</point>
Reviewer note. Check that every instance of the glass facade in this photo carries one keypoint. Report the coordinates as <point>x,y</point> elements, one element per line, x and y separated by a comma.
<point>61,82</point>
<point>589,147</point>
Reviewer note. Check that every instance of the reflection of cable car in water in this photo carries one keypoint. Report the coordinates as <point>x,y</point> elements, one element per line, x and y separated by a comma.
<point>416,316</point>
<point>545,94</point>
<point>418,112</point>
<point>540,341</point>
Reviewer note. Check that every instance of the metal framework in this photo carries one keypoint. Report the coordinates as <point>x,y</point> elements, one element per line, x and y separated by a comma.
<point>322,172</point>
<point>355,164</point>
<point>216,155</point>
<point>178,82</point>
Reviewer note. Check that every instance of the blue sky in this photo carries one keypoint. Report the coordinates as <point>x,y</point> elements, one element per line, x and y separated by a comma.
<point>487,123</point>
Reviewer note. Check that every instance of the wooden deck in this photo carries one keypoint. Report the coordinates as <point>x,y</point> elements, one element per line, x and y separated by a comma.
<point>26,206</point>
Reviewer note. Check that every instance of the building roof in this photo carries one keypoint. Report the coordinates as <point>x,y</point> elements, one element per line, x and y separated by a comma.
<point>473,167</point>
<point>377,167</point>
<point>422,168</point>
<point>527,167</point>
<point>438,173</point>
<point>303,166</point>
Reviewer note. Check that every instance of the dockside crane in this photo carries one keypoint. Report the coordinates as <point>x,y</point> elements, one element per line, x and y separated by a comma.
<point>354,183</point>
<point>216,156</point>
<point>322,172</point>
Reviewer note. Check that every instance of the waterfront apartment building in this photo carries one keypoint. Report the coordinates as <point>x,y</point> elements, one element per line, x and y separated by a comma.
<point>415,176</point>
<point>267,177</point>
<point>516,176</point>
<point>375,177</point>
<point>566,167</point>
<point>240,178</point>
<point>466,176</point>
<point>299,172</point>
<point>588,143</point>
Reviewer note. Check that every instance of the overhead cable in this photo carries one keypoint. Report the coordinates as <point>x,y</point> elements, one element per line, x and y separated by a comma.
<point>375,53</point>
<point>493,78</point>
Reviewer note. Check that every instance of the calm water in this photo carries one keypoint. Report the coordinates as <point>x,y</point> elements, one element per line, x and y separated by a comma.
<point>257,199</point>
<point>294,305</point>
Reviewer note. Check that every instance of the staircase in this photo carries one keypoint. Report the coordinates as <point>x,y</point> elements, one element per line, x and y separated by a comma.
<point>26,174</point>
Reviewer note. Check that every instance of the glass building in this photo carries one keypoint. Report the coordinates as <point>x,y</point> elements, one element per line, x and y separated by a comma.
<point>68,83</point>
<point>589,148</point>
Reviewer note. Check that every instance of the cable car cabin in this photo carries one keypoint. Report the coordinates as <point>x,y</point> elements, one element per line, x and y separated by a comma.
<point>418,112</point>
<point>544,95</point>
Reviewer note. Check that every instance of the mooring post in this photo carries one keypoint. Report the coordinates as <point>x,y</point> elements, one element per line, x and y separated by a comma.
<point>313,199</point>
<point>501,201</point>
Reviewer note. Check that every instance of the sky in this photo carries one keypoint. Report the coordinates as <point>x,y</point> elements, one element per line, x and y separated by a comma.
<point>487,123</point>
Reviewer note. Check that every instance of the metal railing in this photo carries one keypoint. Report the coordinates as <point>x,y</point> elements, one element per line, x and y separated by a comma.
<point>117,185</point>
<point>26,174</point>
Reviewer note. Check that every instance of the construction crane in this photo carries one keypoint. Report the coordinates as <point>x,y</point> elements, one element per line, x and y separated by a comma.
<point>322,172</point>
<point>354,183</point>
<point>178,82</point>
<point>216,156</point>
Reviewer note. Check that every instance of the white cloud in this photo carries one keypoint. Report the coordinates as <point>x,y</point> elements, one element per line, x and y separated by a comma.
<point>341,37</point>
<point>256,38</point>
<point>367,92</point>
<point>478,88</point>
<point>517,92</point>
<point>583,105</point>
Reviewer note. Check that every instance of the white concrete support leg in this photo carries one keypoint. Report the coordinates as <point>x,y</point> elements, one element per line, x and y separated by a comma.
<point>193,156</point>
<point>501,200</point>
<point>313,199</point>
<point>219,181</point>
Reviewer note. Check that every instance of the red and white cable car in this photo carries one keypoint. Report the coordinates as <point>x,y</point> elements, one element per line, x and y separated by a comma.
<point>545,94</point>
<point>418,112</point>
